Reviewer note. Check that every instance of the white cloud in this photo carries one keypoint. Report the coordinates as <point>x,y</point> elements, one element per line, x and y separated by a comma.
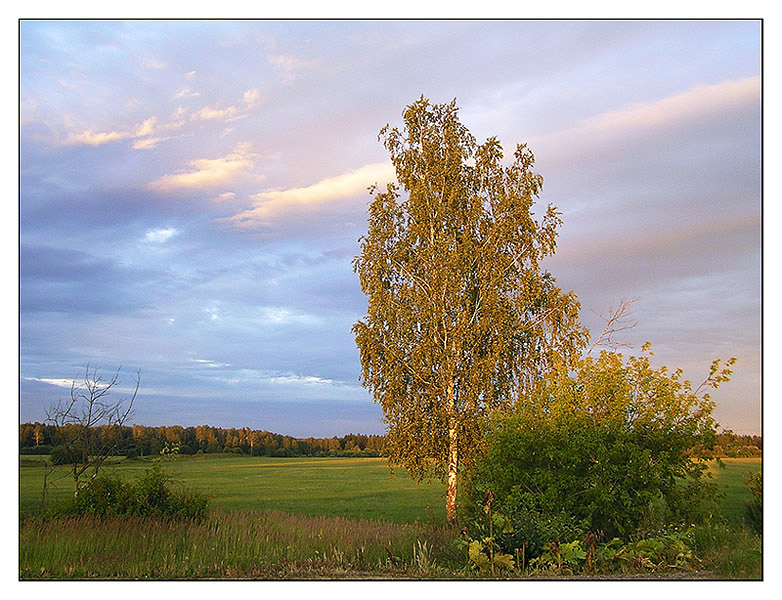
<point>213,312</point>
<point>210,363</point>
<point>703,101</point>
<point>142,134</point>
<point>150,62</point>
<point>252,97</point>
<point>291,66</point>
<point>91,138</point>
<point>208,172</point>
<point>279,315</point>
<point>305,379</point>
<point>65,383</point>
<point>147,127</point>
<point>208,113</point>
<point>319,196</point>
<point>224,197</point>
<point>158,236</point>
<point>148,143</point>
<point>186,93</point>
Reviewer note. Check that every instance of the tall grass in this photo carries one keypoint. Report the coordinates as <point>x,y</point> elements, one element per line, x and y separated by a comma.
<point>730,550</point>
<point>237,545</point>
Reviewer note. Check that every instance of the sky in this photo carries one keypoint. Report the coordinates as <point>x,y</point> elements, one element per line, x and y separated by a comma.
<point>191,195</point>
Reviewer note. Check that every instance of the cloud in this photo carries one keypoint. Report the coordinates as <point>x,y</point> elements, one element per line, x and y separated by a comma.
<point>71,281</point>
<point>210,363</point>
<point>158,236</point>
<point>208,172</point>
<point>64,383</point>
<point>151,62</point>
<point>148,143</point>
<point>283,316</point>
<point>305,379</point>
<point>224,197</point>
<point>291,66</point>
<point>320,196</point>
<point>146,134</point>
<point>186,93</point>
<point>91,138</point>
<point>699,102</point>
<point>252,97</point>
<point>208,114</point>
<point>147,127</point>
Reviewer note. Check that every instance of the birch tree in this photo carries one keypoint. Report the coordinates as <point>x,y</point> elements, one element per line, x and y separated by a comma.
<point>462,319</point>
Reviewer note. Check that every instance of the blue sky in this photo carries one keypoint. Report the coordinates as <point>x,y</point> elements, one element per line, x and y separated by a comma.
<point>192,193</point>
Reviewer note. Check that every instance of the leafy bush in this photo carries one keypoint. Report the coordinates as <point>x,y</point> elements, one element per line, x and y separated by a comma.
<point>150,495</point>
<point>556,480</point>
<point>605,449</point>
<point>61,455</point>
<point>105,496</point>
<point>753,510</point>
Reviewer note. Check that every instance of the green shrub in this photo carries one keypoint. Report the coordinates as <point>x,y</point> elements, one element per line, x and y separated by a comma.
<point>557,479</point>
<point>150,495</point>
<point>105,496</point>
<point>753,509</point>
<point>61,455</point>
<point>601,447</point>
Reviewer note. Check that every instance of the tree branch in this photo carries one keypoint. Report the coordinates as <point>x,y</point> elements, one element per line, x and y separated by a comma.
<point>617,321</point>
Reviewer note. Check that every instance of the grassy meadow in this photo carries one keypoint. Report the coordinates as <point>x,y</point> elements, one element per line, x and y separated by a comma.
<point>730,479</point>
<point>292,518</point>
<point>359,488</point>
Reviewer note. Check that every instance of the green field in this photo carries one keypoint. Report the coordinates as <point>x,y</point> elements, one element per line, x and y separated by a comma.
<point>731,482</point>
<point>300,518</point>
<point>358,488</point>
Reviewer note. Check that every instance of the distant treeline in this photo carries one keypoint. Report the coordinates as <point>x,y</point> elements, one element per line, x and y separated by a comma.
<point>731,445</point>
<point>139,440</point>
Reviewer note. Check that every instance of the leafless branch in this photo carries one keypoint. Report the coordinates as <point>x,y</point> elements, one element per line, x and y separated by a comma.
<point>617,321</point>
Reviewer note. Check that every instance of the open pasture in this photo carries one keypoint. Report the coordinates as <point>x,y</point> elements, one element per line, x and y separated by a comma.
<point>359,488</point>
<point>731,482</point>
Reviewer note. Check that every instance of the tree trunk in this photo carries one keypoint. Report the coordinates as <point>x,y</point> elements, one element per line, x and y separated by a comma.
<point>453,458</point>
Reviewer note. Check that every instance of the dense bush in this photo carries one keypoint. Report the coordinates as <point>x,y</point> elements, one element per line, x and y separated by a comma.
<point>604,449</point>
<point>753,509</point>
<point>150,495</point>
<point>558,479</point>
<point>61,455</point>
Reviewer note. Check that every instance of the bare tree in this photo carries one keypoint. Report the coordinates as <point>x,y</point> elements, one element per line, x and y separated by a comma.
<point>89,424</point>
<point>617,321</point>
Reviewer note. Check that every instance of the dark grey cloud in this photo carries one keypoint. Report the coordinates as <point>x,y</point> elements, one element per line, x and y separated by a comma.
<point>72,281</point>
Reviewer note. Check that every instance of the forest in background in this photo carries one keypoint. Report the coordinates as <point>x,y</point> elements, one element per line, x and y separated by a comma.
<point>140,440</point>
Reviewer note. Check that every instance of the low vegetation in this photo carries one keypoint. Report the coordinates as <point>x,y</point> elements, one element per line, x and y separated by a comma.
<point>412,541</point>
<point>150,495</point>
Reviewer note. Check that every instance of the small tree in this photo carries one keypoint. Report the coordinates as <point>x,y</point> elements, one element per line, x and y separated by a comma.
<point>88,425</point>
<point>461,318</point>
